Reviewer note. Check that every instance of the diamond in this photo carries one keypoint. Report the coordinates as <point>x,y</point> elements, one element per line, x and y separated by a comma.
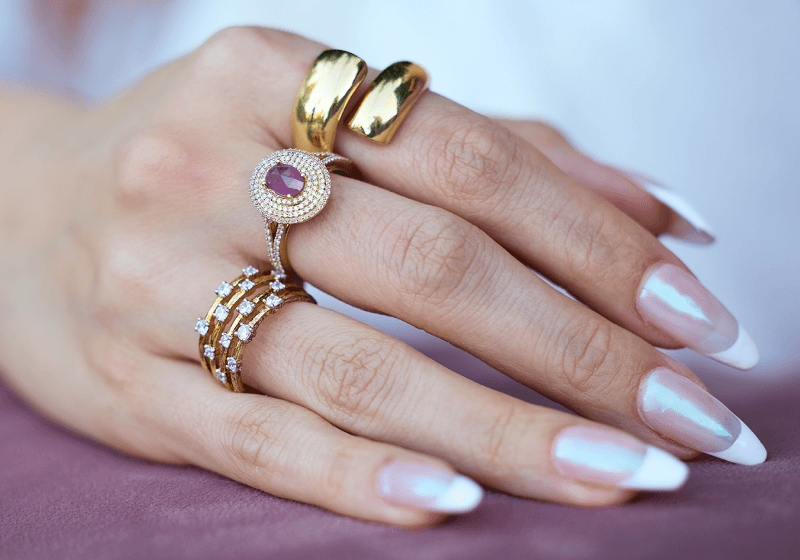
<point>284,180</point>
<point>208,352</point>
<point>244,332</point>
<point>201,326</point>
<point>225,340</point>
<point>221,376</point>
<point>273,300</point>
<point>221,312</point>
<point>231,364</point>
<point>249,271</point>
<point>246,284</point>
<point>224,290</point>
<point>246,307</point>
<point>276,285</point>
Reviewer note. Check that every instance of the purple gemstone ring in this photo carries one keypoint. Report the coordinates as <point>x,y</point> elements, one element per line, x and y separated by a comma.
<point>292,186</point>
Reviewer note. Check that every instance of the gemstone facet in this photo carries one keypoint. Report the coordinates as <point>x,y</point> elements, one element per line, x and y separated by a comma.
<point>284,180</point>
<point>244,332</point>
<point>273,300</point>
<point>246,284</point>
<point>224,290</point>
<point>221,312</point>
<point>225,340</point>
<point>245,307</point>
<point>201,326</point>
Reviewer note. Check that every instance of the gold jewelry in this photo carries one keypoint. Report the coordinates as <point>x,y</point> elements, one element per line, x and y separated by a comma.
<point>289,187</point>
<point>232,320</point>
<point>388,100</point>
<point>329,84</point>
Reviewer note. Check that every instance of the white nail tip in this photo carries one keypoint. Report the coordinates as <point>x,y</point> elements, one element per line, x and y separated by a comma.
<point>699,230</point>
<point>743,354</point>
<point>463,495</point>
<point>746,450</point>
<point>659,471</point>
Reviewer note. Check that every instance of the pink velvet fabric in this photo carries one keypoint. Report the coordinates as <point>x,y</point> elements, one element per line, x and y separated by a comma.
<point>63,496</point>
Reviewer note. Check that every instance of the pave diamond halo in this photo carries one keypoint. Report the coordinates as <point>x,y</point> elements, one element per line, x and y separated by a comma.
<point>295,203</point>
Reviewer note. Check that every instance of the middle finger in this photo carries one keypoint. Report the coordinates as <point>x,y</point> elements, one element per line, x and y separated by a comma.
<point>422,264</point>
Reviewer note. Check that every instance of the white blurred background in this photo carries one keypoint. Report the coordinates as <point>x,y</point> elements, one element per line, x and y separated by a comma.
<point>703,96</point>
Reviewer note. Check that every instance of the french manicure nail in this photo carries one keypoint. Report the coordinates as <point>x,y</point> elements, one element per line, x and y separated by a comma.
<point>594,454</point>
<point>681,410</point>
<point>690,225</point>
<point>427,487</point>
<point>675,301</point>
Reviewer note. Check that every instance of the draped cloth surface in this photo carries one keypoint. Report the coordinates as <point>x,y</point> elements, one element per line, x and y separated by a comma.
<point>65,497</point>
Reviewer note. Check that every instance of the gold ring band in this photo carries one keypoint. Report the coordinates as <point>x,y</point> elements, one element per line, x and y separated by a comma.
<point>233,318</point>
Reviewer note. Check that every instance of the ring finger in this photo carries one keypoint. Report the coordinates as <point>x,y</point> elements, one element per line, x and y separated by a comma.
<point>371,385</point>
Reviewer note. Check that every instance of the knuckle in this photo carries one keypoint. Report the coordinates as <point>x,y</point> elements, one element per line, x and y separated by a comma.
<point>432,255</point>
<point>590,357</point>
<point>148,167</point>
<point>474,161</point>
<point>253,438</point>
<point>358,377</point>
<point>228,48</point>
<point>594,247</point>
<point>339,469</point>
<point>494,444</point>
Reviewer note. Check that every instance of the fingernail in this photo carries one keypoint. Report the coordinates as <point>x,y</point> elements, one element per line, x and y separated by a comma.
<point>675,301</point>
<point>594,454</point>
<point>681,410</point>
<point>689,225</point>
<point>427,487</point>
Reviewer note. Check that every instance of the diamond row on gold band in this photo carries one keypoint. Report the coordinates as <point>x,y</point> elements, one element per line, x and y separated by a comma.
<point>232,320</point>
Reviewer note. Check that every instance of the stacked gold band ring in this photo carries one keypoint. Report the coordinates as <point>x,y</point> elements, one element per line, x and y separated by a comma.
<point>233,318</point>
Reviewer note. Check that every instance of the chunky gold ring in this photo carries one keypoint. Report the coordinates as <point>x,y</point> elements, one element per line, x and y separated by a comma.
<point>388,100</point>
<point>233,318</point>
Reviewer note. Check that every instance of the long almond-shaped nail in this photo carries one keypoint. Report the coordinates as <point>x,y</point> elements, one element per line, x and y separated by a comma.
<point>681,410</point>
<point>427,487</point>
<point>675,301</point>
<point>600,455</point>
<point>688,224</point>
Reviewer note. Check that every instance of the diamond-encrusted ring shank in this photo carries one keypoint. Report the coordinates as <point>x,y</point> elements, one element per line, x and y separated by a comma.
<point>292,186</point>
<point>232,320</point>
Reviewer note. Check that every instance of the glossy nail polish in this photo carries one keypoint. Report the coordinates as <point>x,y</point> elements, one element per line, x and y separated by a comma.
<point>689,225</point>
<point>681,410</point>
<point>427,487</point>
<point>604,456</point>
<point>675,301</point>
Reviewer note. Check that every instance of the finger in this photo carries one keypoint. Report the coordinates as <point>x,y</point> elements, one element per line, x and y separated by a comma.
<point>291,452</point>
<point>447,156</point>
<point>441,274</point>
<point>639,197</point>
<point>371,385</point>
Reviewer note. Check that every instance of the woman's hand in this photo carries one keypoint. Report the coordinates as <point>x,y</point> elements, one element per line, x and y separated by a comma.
<point>120,221</point>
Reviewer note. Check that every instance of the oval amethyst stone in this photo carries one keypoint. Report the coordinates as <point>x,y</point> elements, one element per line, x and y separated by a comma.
<point>284,180</point>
